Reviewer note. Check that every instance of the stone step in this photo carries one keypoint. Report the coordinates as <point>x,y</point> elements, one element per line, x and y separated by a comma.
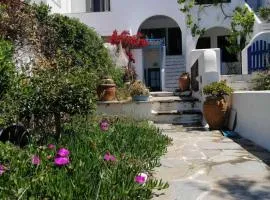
<point>169,106</point>
<point>175,57</point>
<point>174,63</point>
<point>178,117</point>
<point>233,78</point>
<point>240,85</point>
<point>176,72</point>
<point>161,94</point>
<point>170,99</point>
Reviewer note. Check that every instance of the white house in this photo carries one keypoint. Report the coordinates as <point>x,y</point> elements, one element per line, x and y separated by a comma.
<point>169,54</point>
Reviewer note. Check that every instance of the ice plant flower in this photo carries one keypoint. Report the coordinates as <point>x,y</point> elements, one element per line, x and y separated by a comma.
<point>2,169</point>
<point>35,160</point>
<point>141,178</point>
<point>109,157</point>
<point>61,161</point>
<point>51,146</point>
<point>63,152</point>
<point>104,125</point>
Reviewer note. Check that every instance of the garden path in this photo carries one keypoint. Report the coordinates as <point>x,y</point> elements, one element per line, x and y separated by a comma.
<point>204,165</point>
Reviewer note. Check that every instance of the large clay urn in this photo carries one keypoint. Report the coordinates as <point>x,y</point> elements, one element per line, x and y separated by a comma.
<point>184,82</point>
<point>106,90</point>
<point>214,111</point>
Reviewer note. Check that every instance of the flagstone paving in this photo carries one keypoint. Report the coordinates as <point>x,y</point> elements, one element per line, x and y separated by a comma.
<point>204,165</point>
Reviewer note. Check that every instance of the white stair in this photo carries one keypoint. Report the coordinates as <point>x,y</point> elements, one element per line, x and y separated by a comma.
<point>238,82</point>
<point>174,66</point>
<point>265,26</point>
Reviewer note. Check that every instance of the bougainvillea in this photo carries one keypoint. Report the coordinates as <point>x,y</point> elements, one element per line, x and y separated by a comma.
<point>129,42</point>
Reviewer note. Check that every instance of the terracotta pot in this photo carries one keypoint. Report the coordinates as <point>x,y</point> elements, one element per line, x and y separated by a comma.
<point>214,111</point>
<point>184,82</point>
<point>106,92</point>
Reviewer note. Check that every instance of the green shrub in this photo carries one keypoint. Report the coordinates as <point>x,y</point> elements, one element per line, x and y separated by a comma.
<point>217,89</point>
<point>6,66</point>
<point>70,63</point>
<point>264,13</point>
<point>136,146</point>
<point>262,81</point>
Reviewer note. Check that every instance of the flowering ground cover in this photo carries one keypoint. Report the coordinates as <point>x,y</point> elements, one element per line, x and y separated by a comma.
<point>94,159</point>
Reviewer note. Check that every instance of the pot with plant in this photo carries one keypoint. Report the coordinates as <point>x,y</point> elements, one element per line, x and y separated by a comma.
<point>138,91</point>
<point>106,89</point>
<point>215,107</point>
<point>184,82</point>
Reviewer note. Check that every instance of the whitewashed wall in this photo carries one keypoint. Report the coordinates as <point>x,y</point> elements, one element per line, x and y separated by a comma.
<point>253,116</point>
<point>136,110</point>
<point>57,6</point>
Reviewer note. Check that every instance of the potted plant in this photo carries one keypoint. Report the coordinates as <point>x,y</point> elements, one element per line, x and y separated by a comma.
<point>184,81</point>
<point>215,106</point>
<point>129,75</point>
<point>106,89</point>
<point>138,91</point>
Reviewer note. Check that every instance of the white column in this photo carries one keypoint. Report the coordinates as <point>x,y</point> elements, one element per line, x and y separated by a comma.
<point>138,56</point>
<point>162,69</point>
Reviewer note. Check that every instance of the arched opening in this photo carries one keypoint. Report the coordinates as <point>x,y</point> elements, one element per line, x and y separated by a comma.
<point>161,58</point>
<point>163,27</point>
<point>216,37</point>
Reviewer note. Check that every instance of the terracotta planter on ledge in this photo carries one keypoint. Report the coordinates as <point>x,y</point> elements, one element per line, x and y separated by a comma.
<point>106,91</point>
<point>184,82</point>
<point>214,111</point>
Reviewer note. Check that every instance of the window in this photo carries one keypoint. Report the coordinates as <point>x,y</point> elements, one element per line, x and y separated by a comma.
<point>212,1</point>
<point>98,5</point>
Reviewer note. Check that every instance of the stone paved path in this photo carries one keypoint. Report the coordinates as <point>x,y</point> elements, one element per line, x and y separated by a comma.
<point>204,165</point>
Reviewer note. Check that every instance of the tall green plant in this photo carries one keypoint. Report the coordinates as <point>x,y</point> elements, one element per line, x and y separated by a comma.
<point>6,66</point>
<point>70,59</point>
<point>241,29</point>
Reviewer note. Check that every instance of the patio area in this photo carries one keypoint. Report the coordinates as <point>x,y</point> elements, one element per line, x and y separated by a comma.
<point>203,164</point>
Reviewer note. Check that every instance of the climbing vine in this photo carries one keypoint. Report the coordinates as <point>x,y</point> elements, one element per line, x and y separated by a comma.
<point>241,24</point>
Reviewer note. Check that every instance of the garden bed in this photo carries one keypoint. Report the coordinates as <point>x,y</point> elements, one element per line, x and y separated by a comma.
<point>104,161</point>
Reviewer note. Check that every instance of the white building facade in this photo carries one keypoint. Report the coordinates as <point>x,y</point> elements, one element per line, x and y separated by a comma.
<point>164,24</point>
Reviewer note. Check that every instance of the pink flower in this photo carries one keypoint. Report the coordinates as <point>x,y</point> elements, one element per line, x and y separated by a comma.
<point>141,178</point>
<point>2,169</point>
<point>63,152</point>
<point>35,160</point>
<point>104,125</point>
<point>61,161</point>
<point>51,146</point>
<point>109,157</point>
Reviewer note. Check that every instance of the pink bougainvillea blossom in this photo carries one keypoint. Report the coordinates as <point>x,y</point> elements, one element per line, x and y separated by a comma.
<point>36,160</point>
<point>141,178</point>
<point>63,152</point>
<point>2,169</point>
<point>104,125</point>
<point>61,161</point>
<point>109,157</point>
